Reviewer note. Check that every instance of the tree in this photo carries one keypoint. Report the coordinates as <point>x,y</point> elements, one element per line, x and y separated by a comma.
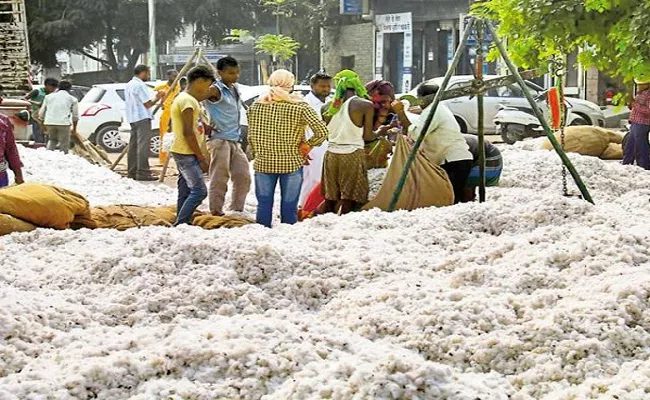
<point>613,34</point>
<point>213,20</point>
<point>121,26</point>
<point>281,48</point>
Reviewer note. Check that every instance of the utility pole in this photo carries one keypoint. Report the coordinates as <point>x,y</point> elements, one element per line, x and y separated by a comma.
<point>153,54</point>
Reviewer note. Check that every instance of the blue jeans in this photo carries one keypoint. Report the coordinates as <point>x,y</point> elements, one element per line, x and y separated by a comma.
<point>191,187</point>
<point>4,179</point>
<point>290,186</point>
<point>637,147</point>
<point>37,135</point>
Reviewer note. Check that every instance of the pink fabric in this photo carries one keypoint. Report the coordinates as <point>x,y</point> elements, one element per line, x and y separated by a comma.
<point>8,148</point>
<point>281,82</point>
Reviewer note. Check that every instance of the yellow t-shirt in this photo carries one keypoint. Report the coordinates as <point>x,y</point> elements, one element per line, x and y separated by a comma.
<point>182,102</point>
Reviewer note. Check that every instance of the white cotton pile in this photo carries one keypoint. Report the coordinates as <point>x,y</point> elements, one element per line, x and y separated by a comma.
<point>98,184</point>
<point>528,296</point>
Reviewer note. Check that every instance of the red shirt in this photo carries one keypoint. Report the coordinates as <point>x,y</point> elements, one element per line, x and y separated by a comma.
<point>8,148</point>
<point>641,109</point>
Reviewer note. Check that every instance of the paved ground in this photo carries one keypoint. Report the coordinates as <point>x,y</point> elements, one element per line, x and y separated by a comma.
<point>170,177</point>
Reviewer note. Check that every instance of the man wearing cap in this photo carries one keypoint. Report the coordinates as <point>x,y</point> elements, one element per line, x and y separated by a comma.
<point>637,147</point>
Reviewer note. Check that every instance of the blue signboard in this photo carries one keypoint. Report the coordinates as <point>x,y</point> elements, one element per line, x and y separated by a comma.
<point>352,7</point>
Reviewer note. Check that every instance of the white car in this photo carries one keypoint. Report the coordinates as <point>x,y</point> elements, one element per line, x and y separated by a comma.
<point>466,112</point>
<point>101,112</point>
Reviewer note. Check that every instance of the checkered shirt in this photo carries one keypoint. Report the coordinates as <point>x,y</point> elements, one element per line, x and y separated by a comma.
<point>276,129</point>
<point>641,109</point>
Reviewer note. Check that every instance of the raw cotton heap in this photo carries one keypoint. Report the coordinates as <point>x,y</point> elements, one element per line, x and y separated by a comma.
<point>530,295</point>
<point>98,184</point>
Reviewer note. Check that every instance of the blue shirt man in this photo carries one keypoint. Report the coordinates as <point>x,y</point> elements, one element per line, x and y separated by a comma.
<point>139,101</point>
<point>224,113</point>
<point>227,159</point>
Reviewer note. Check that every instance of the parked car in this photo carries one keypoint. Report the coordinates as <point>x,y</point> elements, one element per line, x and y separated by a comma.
<point>466,113</point>
<point>77,91</point>
<point>101,113</point>
<point>18,112</point>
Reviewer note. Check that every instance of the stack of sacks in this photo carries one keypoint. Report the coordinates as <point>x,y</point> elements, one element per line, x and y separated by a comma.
<point>123,217</point>
<point>590,141</point>
<point>41,206</point>
<point>24,208</point>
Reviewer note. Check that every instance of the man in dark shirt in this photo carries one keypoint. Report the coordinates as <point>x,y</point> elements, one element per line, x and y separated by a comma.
<point>493,166</point>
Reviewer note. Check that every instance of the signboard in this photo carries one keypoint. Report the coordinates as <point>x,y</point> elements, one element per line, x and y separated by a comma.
<point>379,56</point>
<point>395,23</point>
<point>407,73</point>
<point>184,58</point>
<point>351,7</point>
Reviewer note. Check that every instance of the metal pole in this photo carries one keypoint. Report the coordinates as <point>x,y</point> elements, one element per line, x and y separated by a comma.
<point>481,112</point>
<point>538,113</point>
<point>153,54</point>
<point>427,123</point>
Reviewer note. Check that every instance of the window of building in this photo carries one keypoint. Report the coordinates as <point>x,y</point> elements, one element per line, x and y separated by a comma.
<point>347,62</point>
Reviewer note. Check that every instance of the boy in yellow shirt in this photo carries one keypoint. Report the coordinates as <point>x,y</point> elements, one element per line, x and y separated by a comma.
<point>190,160</point>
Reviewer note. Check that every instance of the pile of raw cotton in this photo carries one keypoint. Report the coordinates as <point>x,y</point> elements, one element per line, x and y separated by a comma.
<point>528,296</point>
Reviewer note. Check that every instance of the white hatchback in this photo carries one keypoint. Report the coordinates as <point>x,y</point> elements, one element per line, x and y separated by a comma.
<point>465,110</point>
<point>102,111</point>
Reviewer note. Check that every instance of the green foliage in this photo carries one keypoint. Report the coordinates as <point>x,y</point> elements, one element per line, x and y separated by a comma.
<point>213,20</point>
<point>120,25</point>
<point>280,47</point>
<point>614,34</point>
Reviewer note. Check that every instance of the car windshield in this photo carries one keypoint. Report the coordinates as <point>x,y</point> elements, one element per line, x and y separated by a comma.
<point>94,95</point>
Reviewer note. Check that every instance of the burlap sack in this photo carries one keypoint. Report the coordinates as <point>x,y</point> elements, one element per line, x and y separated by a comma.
<point>9,224</point>
<point>377,153</point>
<point>43,205</point>
<point>207,221</point>
<point>123,217</point>
<point>585,140</point>
<point>427,185</point>
<point>613,152</point>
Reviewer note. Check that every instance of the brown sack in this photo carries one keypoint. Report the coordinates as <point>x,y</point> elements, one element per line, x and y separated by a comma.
<point>9,224</point>
<point>613,152</point>
<point>228,221</point>
<point>426,185</point>
<point>125,217</point>
<point>377,153</point>
<point>43,205</point>
<point>585,140</point>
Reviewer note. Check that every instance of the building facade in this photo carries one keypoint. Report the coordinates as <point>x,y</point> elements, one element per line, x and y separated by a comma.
<point>407,42</point>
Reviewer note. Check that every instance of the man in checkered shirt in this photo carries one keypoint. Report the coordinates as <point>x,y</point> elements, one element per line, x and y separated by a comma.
<point>637,147</point>
<point>276,133</point>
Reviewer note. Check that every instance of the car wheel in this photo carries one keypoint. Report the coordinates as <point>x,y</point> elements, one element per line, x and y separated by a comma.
<point>154,144</point>
<point>508,135</point>
<point>108,137</point>
<point>579,121</point>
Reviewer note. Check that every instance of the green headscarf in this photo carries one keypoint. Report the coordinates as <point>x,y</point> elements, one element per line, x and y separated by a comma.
<point>343,81</point>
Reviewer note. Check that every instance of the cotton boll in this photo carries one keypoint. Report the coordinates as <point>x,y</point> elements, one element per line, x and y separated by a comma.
<point>529,295</point>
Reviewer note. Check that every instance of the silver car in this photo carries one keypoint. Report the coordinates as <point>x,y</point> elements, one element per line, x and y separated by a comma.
<point>466,112</point>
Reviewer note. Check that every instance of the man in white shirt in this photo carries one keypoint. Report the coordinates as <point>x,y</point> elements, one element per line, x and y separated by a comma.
<point>321,87</point>
<point>60,111</point>
<point>444,143</point>
<point>137,97</point>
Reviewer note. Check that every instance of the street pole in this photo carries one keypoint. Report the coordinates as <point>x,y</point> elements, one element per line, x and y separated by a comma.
<point>153,54</point>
